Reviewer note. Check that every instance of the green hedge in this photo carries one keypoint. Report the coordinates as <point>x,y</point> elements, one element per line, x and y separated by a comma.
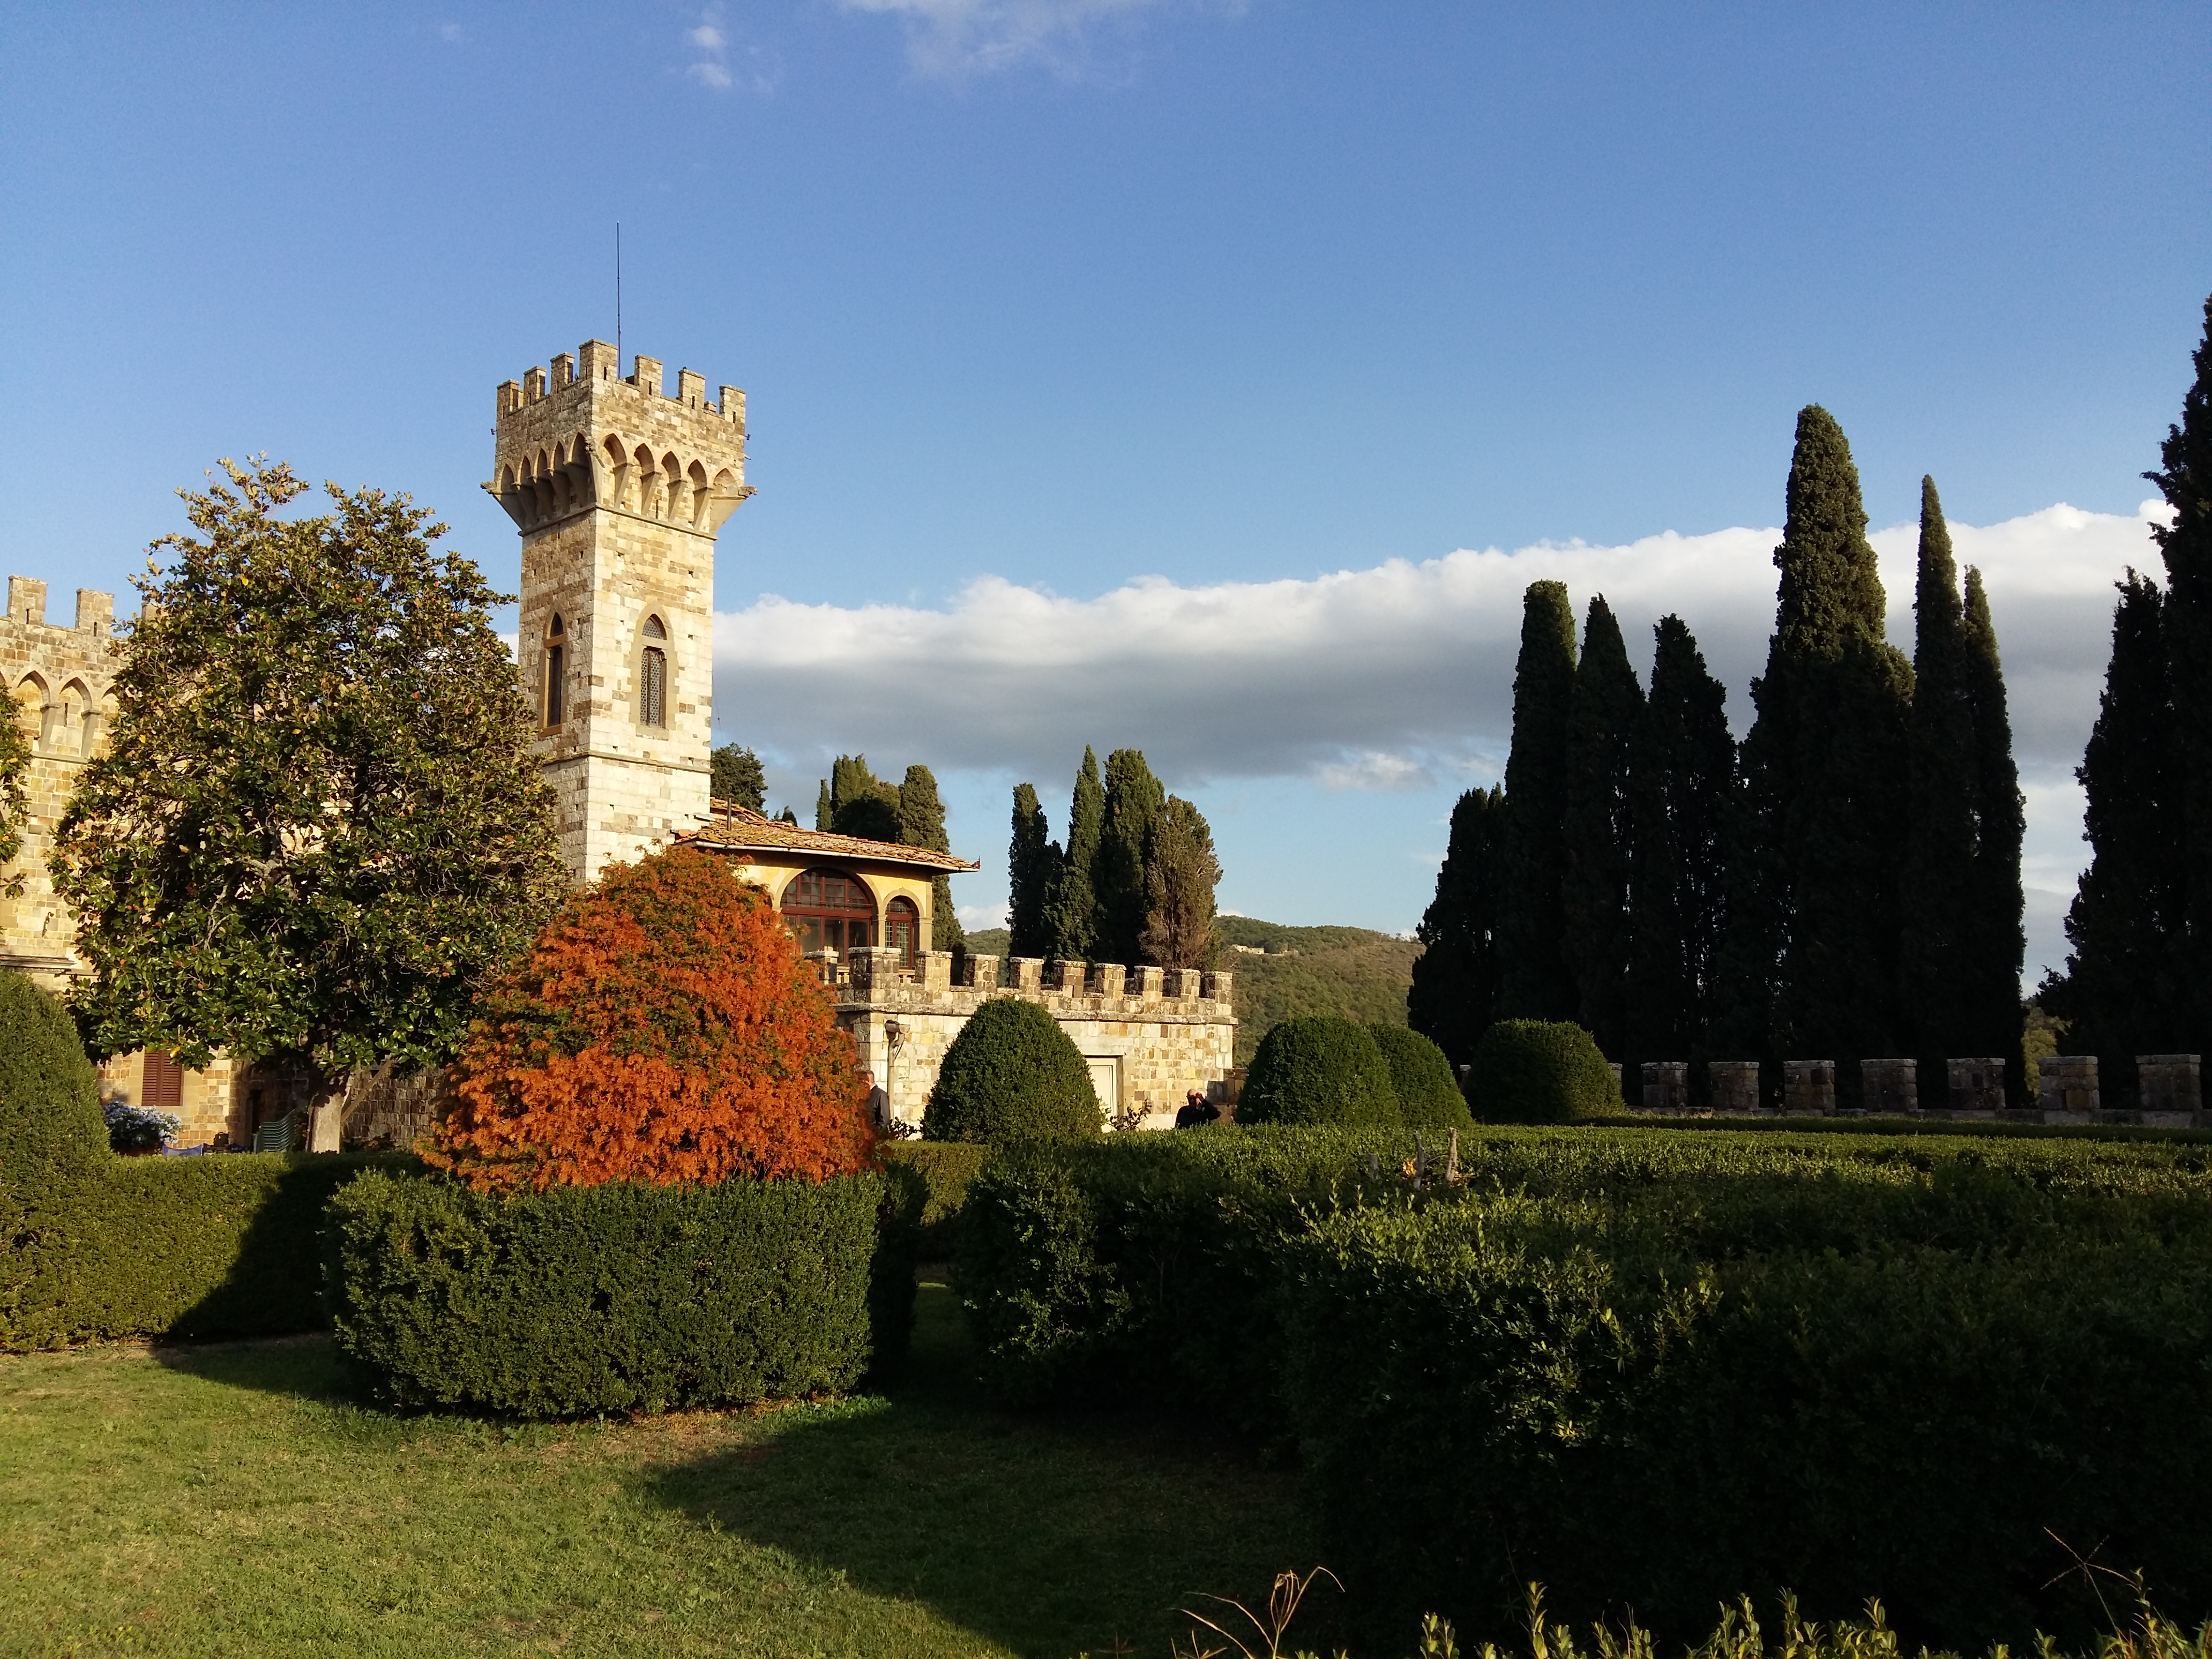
<point>1540,1070</point>
<point>938,1174</point>
<point>618,1299</point>
<point>1836,1379</point>
<point>1422,1079</point>
<point>1319,1069</point>
<point>1012,1078</point>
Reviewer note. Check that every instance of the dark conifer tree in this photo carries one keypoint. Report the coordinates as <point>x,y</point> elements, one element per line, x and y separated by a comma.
<point>826,810</point>
<point>861,803</point>
<point>1456,977</point>
<point>1682,788</point>
<point>1071,921</point>
<point>2124,992</point>
<point>2185,478</point>
<point>1938,900</point>
<point>1537,983</point>
<point>1134,801</point>
<point>1032,864</point>
<point>920,812</point>
<point>1812,956</point>
<point>1996,943</point>
<point>1605,710</point>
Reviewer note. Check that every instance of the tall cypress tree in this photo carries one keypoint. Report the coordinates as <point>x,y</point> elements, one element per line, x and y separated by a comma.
<point>920,811</point>
<point>1134,802</point>
<point>1532,921</point>
<point>1996,943</point>
<point>1811,955</point>
<point>2185,478</point>
<point>826,810</point>
<point>1681,790</point>
<point>1032,863</point>
<point>2124,992</point>
<point>1456,976</point>
<point>861,803</point>
<point>1604,712</point>
<point>1071,915</point>
<point>1937,900</point>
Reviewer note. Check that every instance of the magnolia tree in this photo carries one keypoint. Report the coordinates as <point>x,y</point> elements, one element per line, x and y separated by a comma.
<point>664,1029</point>
<point>318,826</point>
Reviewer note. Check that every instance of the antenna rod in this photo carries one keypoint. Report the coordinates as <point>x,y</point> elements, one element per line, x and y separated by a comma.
<point>618,299</point>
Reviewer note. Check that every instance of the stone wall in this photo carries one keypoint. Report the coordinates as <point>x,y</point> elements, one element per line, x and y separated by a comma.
<point>1151,1035</point>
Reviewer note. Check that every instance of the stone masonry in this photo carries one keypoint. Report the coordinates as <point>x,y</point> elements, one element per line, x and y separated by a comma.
<point>619,489</point>
<point>1149,1035</point>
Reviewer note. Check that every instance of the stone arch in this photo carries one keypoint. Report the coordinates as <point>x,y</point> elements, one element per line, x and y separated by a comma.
<point>29,706</point>
<point>620,471</point>
<point>678,506</point>
<point>722,497</point>
<point>653,680</point>
<point>701,494</point>
<point>649,484</point>
<point>78,714</point>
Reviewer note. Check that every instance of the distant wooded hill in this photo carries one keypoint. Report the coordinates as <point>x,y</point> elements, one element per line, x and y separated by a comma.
<point>1350,971</point>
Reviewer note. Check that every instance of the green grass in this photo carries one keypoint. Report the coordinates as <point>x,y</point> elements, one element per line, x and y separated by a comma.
<point>231,1500</point>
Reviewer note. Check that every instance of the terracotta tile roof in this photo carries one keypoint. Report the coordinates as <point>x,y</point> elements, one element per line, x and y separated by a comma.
<point>740,830</point>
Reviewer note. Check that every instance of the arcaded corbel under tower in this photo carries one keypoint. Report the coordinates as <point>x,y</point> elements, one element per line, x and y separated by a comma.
<point>618,489</point>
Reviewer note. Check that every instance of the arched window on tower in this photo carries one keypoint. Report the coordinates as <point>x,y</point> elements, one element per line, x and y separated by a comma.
<point>828,910</point>
<point>902,929</point>
<point>652,678</point>
<point>552,694</point>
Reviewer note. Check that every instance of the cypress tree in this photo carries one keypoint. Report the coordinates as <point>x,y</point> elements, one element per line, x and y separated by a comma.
<point>1811,959</point>
<point>1537,983</point>
<point>1032,863</point>
<point>1997,944</point>
<point>1456,976</point>
<point>1180,872</point>
<point>2123,992</point>
<point>826,810</point>
<point>2185,478</point>
<point>920,812</point>
<point>861,803</point>
<point>1134,802</point>
<point>1072,919</point>
<point>1937,900</point>
<point>1604,711</point>
<point>1682,788</point>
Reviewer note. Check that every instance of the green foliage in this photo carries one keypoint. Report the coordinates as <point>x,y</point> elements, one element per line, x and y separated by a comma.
<point>1682,788</point>
<point>15,792</point>
<point>1071,911</point>
<point>1421,1078</point>
<point>1033,862</point>
<point>737,776</point>
<point>1537,982</point>
<point>615,1299</point>
<point>318,826</point>
<point>1605,712</point>
<point>921,824</point>
<point>1455,978</point>
<point>1537,1071</point>
<point>1011,1077</point>
<point>1134,804</point>
<point>1351,972</point>
<point>861,803</point>
<point>1862,1377</point>
<point>1996,940</point>
<point>1180,872</point>
<point>1317,1069</point>
<point>2122,993</point>
<point>49,1094</point>
<point>1811,960</point>
<point>943,1170</point>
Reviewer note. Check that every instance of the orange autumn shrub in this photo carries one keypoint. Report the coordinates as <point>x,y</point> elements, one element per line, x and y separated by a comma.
<point>664,1029</point>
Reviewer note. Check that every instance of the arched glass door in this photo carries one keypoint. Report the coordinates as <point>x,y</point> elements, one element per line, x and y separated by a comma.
<point>902,929</point>
<point>828,910</point>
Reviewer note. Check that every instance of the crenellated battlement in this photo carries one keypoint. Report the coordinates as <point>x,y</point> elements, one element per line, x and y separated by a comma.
<point>586,436</point>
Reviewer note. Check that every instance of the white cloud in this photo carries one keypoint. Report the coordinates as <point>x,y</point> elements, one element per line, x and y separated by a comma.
<point>451,34</point>
<point>711,64</point>
<point>958,39</point>
<point>1375,769</point>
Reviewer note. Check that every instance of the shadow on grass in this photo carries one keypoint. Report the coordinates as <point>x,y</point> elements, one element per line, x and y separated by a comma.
<point>1051,1536</point>
<point>304,1367</point>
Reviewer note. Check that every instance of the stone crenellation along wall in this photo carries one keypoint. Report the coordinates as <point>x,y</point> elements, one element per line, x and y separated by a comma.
<point>1151,1035</point>
<point>2170,1092</point>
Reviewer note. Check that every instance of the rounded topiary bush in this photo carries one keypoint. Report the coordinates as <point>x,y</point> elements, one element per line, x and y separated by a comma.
<point>1540,1070</point>
<point>49,1095</point>
<point>1421,1078</point>
<point>1011,1077</point>
<point>1320,1069</point>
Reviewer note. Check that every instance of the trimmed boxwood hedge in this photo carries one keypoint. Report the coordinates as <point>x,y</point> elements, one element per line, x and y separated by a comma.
<point>938,1173</point>
<point>1540,1070</point>
<point>1319,1070</point>
<point>1421,1078</point>
<point>1012,1078</point>
<point>584,1300</point>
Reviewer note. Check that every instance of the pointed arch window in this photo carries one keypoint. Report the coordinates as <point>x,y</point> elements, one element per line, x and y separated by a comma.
<point>551,694</point>
<point>652,677</point>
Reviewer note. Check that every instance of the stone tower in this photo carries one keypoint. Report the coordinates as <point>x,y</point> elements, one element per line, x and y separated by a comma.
<point>618,489</point>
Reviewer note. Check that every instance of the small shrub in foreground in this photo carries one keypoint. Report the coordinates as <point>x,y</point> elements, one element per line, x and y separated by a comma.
<point>1422,1079</point>
<point>1540,1070</point>
<point>1012,1078</point>
<point>1319,1070</point>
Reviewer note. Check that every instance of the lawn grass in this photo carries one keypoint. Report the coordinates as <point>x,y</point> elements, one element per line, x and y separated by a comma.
<point>230,1500</point>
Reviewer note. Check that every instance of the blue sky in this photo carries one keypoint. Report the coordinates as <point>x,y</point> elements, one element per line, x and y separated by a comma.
<point>1184,320</point>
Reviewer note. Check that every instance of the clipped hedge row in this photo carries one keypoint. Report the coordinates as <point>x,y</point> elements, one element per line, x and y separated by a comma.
<point>934,1175</point>
<point>618,1299</point>
<point>1658,1401</point>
